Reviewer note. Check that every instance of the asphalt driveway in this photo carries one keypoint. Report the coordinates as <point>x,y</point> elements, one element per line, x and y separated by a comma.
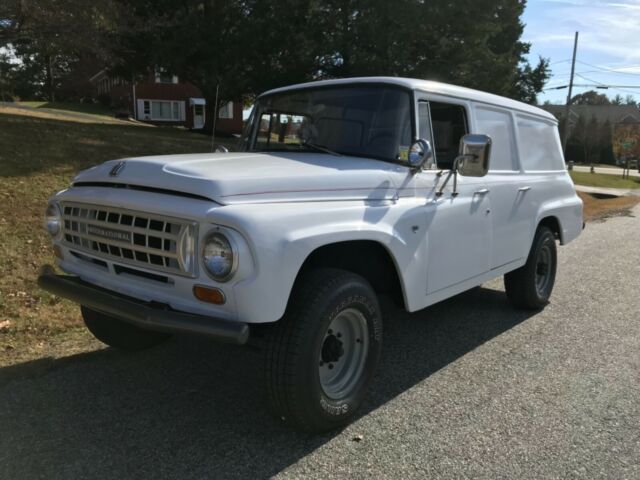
<point>469,388</point>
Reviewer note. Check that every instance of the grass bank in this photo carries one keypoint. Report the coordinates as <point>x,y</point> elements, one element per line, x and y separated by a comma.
<point>39,155</point>
<point>90,108</point>
<point>604,180</point>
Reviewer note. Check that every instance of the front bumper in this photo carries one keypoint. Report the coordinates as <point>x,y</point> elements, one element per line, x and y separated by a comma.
<point>142,314</point>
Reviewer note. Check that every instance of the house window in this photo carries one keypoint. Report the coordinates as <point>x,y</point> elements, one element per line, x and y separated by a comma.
<point>226,111</point>
<point>165,111</point>
<point>162,76</point>
<point>162,110</point>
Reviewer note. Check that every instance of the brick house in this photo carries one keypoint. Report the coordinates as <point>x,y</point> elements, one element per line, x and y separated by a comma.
<point>163,99</point>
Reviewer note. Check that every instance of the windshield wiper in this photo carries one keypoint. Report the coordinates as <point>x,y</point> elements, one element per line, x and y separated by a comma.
<point>321,148</point>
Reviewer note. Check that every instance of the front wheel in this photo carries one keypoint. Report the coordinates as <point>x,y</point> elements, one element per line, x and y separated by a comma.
<point>531,285</point>
<point>322,355</point>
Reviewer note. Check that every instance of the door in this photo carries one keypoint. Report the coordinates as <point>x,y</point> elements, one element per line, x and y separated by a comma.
<point>459,235</point>
<point>458,222</point>
<point>198,116</point>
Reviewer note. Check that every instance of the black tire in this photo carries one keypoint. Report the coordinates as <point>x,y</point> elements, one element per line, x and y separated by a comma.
<point>530,286</point>
<point>300,350</point>
<point>118,334</point>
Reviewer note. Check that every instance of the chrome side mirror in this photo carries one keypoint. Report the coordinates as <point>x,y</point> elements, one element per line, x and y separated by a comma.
<point>420,154</point>
<point>473,158</point>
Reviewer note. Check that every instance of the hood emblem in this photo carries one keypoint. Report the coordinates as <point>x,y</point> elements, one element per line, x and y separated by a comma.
<point>117,168</point>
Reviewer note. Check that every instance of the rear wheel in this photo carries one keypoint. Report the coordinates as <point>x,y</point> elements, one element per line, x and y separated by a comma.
<point>321,357</point>
<point>531,285</point>
<point>118,334</point>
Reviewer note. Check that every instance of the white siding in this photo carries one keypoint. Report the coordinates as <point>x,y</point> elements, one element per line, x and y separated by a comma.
<point>140,110</point>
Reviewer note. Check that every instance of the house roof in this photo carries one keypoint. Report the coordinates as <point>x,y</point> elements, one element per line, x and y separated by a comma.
<point>100,74</point>
<point>428,86</point>
<point>612,113</point>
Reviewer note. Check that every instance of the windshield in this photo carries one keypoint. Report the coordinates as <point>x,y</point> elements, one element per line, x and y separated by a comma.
<point>369,121</point>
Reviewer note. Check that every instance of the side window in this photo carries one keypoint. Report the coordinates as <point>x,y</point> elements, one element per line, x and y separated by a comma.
<point>499,126</point>
<point>449,125</point>
<point>226,111</point>
<point>279,130</point>
<point>424,128</point>
<point>539,144</point>
<point>424,122</point>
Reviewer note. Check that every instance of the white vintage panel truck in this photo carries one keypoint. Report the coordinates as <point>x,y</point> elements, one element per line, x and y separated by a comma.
<point>341,190</point>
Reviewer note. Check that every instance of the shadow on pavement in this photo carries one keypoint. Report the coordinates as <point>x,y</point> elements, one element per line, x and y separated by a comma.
<point>191,408</point>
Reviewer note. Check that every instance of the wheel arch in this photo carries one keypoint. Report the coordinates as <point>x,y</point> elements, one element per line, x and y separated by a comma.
<point>367,258</point>
<point>552,223</point>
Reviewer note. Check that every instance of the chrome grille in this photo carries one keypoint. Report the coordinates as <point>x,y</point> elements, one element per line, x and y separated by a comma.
<point>130,237</point>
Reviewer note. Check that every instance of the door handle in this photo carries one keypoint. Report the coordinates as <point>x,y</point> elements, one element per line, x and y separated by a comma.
<point>482,191</point>
<point>524,189</point>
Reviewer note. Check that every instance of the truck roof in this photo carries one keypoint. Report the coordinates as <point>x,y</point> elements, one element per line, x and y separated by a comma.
<point>429,87</point>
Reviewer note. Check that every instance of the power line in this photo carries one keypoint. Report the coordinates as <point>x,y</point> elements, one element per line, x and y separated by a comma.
<point>597,85</point>
<point>612,70</point>
<point>589,79</point>
<point>613,87</point>
<point>566,74</point>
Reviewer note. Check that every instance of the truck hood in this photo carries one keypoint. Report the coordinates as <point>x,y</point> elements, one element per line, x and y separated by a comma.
<point>232,178</point>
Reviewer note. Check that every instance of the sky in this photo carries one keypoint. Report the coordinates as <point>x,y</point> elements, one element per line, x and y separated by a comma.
<point>608,44</point>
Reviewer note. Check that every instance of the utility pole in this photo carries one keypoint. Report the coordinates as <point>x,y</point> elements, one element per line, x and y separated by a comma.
<point>565,131</point>
<point>215,117</point>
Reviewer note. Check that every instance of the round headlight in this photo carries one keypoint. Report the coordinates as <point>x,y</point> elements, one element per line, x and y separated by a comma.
<point>53,220</point>
<point>218,257</point>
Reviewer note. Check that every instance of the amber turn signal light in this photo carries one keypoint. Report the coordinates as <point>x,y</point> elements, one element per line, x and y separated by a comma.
<point>209,294</point>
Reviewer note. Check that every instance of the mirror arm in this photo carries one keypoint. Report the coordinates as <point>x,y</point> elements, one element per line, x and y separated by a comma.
<point>444,184</point>
<point>454,172</point>
<point>455,180</point>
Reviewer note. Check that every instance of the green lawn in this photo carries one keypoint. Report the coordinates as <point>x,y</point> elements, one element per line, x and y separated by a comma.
<point>598,165</point>
<point>603,180</point>
<point>39,156</point>
<point>90,108</point>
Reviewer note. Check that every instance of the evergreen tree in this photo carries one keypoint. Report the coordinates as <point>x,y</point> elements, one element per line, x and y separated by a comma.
<point>50,37</point>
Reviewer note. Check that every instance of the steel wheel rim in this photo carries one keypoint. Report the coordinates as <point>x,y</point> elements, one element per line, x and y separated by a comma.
<point>543,270</point>
<point>343,353</point>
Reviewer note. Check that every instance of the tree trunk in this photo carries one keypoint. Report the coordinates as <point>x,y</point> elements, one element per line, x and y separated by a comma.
<point>49,78</point>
